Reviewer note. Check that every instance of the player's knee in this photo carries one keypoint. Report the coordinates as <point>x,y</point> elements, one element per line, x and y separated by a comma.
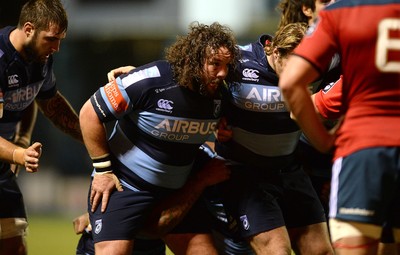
<point>343,229</point>
<point>13,227</point>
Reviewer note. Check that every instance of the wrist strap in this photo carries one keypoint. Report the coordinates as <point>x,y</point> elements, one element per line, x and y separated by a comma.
<point>102,163</point>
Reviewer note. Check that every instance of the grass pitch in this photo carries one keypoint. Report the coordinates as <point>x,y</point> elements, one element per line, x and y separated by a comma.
<point>49,235</point>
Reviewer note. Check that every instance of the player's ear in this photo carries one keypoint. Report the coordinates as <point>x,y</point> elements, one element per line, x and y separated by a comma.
<point>307,11</point>
<point>29,29</point>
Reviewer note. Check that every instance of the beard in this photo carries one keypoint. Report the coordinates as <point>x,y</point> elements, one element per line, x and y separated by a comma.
<point>32,52</point>
<point>207,90</point>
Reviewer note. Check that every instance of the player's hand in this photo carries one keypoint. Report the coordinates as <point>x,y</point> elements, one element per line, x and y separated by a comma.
<point>81,223</point>
<point>29,157</point>
<point>215,171</point>
<point>224,133</point>
<point>111,75</point>
<point>103,185</point>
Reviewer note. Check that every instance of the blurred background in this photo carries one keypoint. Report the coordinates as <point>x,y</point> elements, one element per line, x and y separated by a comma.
<point>102,35</point>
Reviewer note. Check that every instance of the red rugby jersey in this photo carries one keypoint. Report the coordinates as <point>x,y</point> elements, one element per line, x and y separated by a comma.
<point>366,34</point>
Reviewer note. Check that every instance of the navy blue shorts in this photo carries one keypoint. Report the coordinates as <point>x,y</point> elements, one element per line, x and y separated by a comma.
<point>261,200</point>
<point>366,187</point>
<point>11,199</point>
<point>125,214</point>
<point>127,211</point>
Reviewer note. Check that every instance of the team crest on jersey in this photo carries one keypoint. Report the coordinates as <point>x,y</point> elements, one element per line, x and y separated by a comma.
<point>217,107</point>
<point>98,225</point>
<point>245,222</point>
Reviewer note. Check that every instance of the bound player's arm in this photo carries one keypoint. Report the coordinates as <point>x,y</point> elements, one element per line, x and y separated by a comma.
<point>81,223</point>
<point>224,132</point>
<point>95,138</point>
<point>111,75</point>
<point>170,212</point>
<point>60,112</point>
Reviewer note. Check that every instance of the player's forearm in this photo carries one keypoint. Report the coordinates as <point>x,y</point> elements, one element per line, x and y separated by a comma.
<point>25,128</point>
<point>62,115</point>
<point>304,112</point>
<point>7,150</point>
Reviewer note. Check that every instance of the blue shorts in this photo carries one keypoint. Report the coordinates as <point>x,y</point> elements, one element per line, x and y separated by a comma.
<point>366,187</point>
<point>11,199</point>
<point>127,211</point>
<point>125,214</point>
<point>224,229</point>
<point>261,200</point>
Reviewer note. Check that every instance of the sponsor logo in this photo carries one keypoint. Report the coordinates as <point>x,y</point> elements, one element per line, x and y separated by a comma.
<point>182,130</point>
<point>19,99</point>
<point>260,98</point>
<point>250,74</point>
<point>245,222</point>
<point>265,99</point>
<point>13,80</point>
<point>98,224</point>
<point>115,97</point>
<point>165,105</point>
<point>356,211</point>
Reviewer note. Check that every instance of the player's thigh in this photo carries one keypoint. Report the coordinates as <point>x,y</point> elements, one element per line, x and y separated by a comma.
<point>191,243</point>
<point>315,234</point>
<point>115,247</point>
<point>275,241</point>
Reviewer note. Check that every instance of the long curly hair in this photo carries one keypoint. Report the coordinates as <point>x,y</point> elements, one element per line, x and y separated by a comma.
<point>189,53</point>
<point>43,13</point>
<point>292,11</point>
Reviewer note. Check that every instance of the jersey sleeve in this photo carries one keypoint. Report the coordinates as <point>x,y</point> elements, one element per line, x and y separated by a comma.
<point>328,101</point>
<point>119,97</point>
<point>319,44</point>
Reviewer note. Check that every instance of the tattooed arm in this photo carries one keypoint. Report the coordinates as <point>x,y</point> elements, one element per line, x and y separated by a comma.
<point>60,112</point>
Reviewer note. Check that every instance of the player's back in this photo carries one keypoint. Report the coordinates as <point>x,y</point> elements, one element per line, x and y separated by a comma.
<point>366,34</point>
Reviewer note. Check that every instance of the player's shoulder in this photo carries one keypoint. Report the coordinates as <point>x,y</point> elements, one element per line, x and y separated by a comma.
<point>155,69</point>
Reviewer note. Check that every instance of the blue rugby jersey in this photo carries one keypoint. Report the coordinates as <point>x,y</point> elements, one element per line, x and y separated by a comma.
<point>160,125</point>
<point>20,84</point>
<point>255,109</point>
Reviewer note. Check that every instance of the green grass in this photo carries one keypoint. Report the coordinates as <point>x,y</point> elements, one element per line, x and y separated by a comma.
<point>50,235</point>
